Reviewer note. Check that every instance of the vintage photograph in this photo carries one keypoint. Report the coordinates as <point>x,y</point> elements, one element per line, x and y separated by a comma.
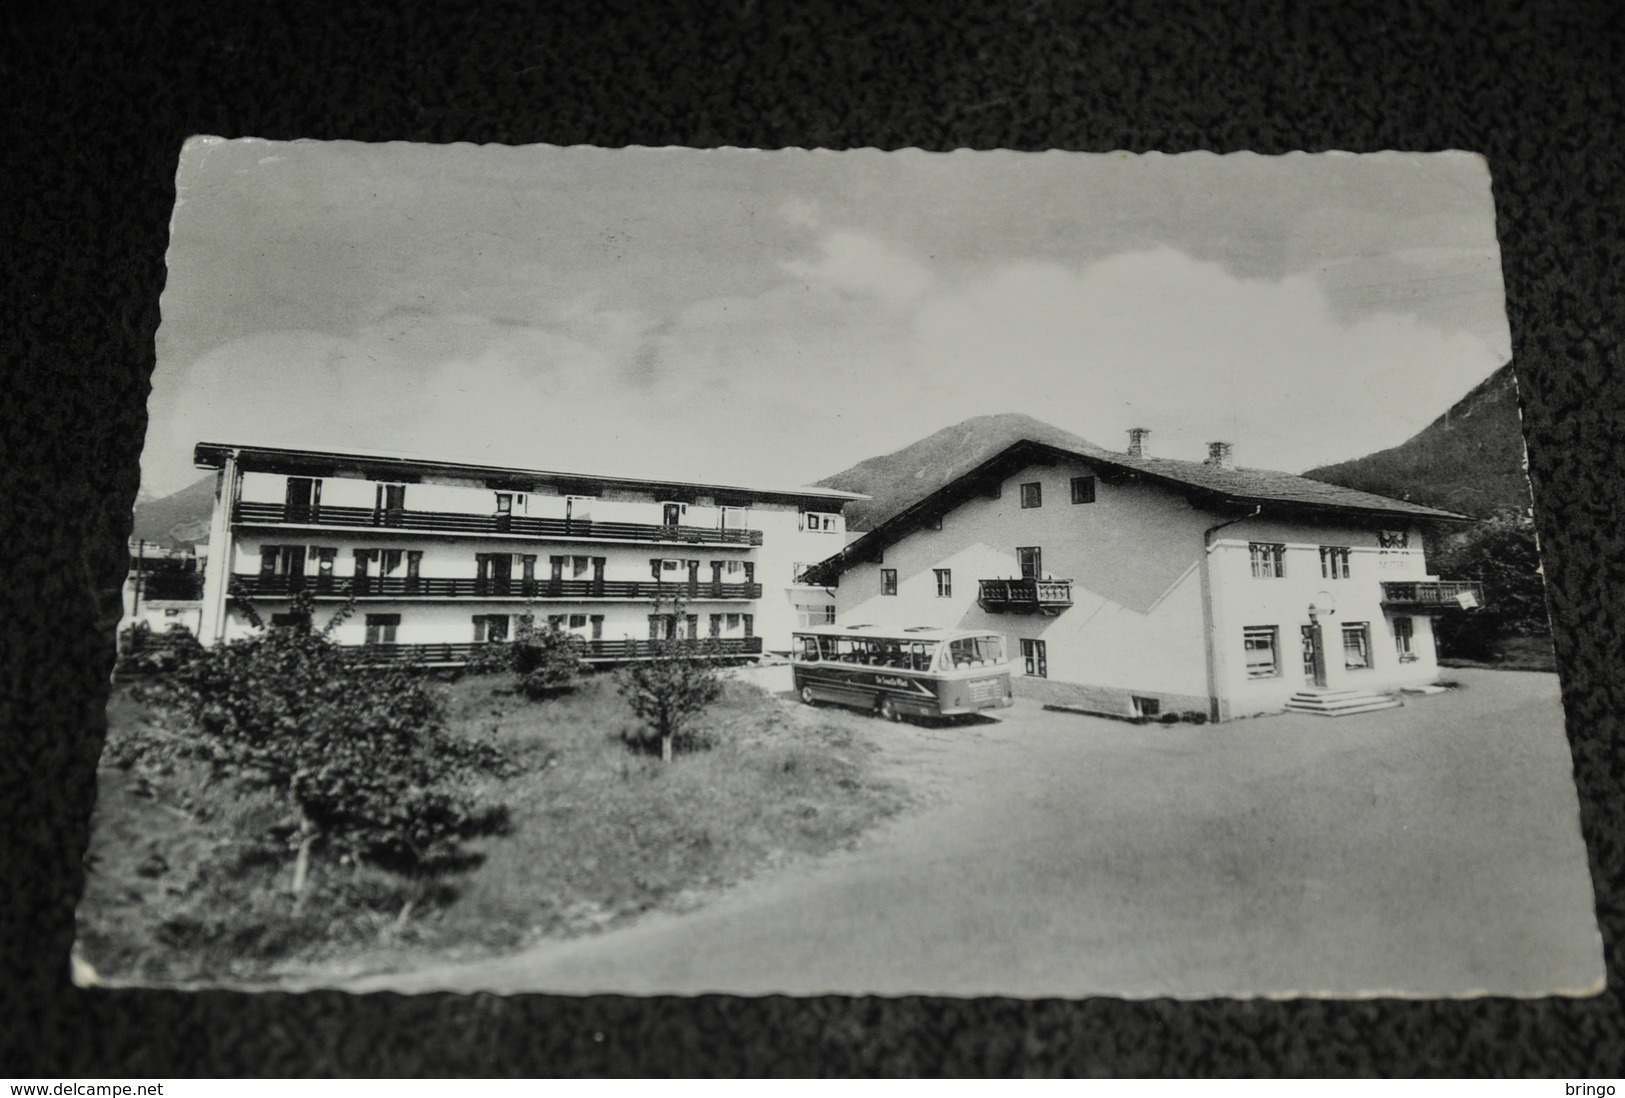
<point>671,571</point>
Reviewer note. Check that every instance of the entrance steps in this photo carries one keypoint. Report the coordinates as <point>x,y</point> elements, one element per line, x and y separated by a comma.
<point>1340,703</point>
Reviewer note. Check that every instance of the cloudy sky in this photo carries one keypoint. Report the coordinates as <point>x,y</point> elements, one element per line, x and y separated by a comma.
<point>771,318</point>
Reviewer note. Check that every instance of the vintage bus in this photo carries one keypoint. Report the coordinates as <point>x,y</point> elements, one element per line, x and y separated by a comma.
<point>913,672</point>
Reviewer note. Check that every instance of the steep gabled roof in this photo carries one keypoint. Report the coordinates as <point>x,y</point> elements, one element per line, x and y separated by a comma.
<point>1212,486</point>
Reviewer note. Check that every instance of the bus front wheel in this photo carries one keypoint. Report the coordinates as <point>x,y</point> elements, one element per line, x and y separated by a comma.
<point>807,696</point>
<point>888,710</point>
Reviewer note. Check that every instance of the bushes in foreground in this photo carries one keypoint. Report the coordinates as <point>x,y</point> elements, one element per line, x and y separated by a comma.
<point>358,759</point>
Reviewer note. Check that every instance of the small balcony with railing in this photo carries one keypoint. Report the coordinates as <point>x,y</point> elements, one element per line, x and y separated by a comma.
<point>1025,596</point>
<point>440,587</point>
<point>1423,596</point>
<point>500,525</point>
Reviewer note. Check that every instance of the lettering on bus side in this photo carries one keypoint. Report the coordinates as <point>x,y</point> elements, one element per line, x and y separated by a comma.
<point>891,680</point>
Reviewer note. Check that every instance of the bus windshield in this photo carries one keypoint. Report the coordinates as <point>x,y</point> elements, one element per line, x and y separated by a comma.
<point>974,652</point>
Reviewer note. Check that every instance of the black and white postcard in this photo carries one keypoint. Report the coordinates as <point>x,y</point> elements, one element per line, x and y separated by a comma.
<point>670,571</point>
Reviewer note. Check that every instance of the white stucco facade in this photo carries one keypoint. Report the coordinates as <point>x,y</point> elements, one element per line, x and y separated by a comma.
<point>435,555</point>
<point>1166,611</point>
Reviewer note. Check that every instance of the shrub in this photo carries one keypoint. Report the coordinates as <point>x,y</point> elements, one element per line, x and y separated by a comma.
<point>359,756</point>
<point>1502,554</point>
<point>544,660</point>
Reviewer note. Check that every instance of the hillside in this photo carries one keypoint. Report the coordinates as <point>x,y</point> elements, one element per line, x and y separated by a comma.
<point>1469,460</point>
<point>181,518</point>
<point>897,479</point>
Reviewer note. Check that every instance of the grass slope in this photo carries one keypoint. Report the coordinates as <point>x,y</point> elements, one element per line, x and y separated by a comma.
<point>178,889</point>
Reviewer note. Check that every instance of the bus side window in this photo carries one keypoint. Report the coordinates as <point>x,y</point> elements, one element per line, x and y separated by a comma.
<point>809,649</point>
<point>828,648</point>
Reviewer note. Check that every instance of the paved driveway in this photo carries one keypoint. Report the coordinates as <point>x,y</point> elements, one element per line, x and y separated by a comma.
<point>1431,850</point>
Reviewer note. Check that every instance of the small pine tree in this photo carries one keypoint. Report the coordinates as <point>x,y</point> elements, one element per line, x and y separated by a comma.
<point>669,690</point>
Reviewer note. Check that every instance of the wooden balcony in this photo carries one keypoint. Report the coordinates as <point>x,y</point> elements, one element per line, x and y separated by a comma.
<point>599,651</point>
<point>1025,596</point>
<point>437,587</point>
<point>518,526</point>
<point>1428,595</point>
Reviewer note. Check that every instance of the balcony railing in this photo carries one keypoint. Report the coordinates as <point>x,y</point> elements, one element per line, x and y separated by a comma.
<point>1430,594</point>
<point>1025,596</point>
<point>171,586</point>
<point>523,526</point>
<point>598,651</point>
<point>437,587</point>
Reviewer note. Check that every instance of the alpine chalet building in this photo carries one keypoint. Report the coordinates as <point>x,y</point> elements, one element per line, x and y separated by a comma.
<point>1141,586</point>
<point>443,556</point>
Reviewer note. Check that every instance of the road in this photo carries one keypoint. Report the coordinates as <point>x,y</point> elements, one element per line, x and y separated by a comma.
<point>1431,850</point>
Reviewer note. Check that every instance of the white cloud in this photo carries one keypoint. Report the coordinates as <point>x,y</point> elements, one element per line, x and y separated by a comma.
<point>865,350</point>
<point>858,264</point>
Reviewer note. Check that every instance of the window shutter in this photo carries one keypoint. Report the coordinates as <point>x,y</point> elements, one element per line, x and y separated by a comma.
<point>654,567</point>
<point>750,625</point>
<point>654,620</point>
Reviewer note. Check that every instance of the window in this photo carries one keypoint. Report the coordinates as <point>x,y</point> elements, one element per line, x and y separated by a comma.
<point>809,649</point>
<point>577,508</point>
<point>888,581</point>
<point>809,615</point>
<point>945,582</point>
<point>578,621</point>
<point>1032,494</point>
<point>579,566</point>
<point>733,518</point>
<point>1405,640</point>
<point>324,561</point>
<point>381,628</point>
<point>1334,562</point>
<point>1393,541</point>
<point>1307,633</point>
<point>977,651</point>
<point>504,503</point>
<point>1146,707</point>
<point>1083,489</point>
<point>1262,661</point>
<point>731,622</point>
<point>304,498</point>
<point>821,522</point>
<point>1031,558</point>
<point>1269,559</point>
<point>391,501</point>
<point>672,513</point>
<point>1356,646</point>
<point>490,627</point>
<point>1033,658</point>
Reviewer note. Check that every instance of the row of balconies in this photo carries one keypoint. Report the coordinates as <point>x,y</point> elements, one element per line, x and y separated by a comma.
<point>599,651</point>
<point>524,526</point>
<point>1051,596</point>
<point>439,587</point>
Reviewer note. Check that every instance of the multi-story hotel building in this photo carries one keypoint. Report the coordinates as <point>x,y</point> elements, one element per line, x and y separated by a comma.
<point>1136,586</point>
<point>442,556</point>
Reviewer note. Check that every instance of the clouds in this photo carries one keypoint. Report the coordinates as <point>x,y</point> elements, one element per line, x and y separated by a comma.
<point>774,317</point>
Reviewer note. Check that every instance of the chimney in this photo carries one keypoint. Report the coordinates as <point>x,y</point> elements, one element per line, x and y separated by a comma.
<point>1136,441</point>
<point>1221,454</point>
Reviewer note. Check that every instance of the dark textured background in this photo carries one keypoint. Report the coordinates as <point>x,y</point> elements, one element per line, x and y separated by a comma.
<point>99,97</point>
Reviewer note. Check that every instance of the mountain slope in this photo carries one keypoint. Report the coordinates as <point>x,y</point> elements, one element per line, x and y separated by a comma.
<point>1469,460</point>
<point>181,518</point>
<point>897,479</point>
